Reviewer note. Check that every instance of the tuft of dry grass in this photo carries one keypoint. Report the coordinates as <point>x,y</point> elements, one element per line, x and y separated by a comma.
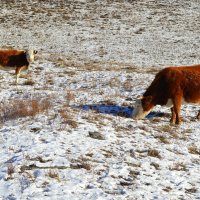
<point>179,167</point>
<point>53,174</point>
<point>80,163</point>
<point>194,150</point>
<point>154,153</point>
<point>22,108</point>
<point>107,153</point>
<point>167,189</point>
<point>38,158</point>
<point>44,184</point>
<point>70,96</point>
<point>29,82</point>
<point>128,85</point>
<point>166,128</point>
<point>163,139</point>
<point>134,173</point>
<point>191,190</point>
<point>114,82</point>
<point>109,102</point>
<point>67,118</point>
<point>174,135</point>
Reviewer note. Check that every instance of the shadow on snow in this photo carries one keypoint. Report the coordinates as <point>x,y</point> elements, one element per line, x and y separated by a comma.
<point>116,110</point>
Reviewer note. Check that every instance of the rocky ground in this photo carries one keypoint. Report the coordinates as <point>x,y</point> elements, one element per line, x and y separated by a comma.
<point>66,129</point>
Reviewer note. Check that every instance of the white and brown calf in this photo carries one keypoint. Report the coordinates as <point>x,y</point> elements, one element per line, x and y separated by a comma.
<point>171,87</point>
<point>17,60</point>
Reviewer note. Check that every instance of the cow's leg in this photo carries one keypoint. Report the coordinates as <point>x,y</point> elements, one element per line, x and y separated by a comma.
<point>17,73</point>
<point>24,68</point>
<point>173,118</point>
<point>177,108</point>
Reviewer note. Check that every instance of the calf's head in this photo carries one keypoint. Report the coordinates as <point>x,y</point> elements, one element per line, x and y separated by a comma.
<point>30,55</point>
<point>143,106</point>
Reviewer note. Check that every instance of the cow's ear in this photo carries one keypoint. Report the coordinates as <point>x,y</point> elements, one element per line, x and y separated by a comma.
<point>140,97</point>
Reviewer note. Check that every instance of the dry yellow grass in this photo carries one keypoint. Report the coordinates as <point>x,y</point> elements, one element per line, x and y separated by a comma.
<point>179,167</point>
<point>22,108</point>
<point>67,118</point>
<point>194,150</point>
<point>53,174</point>
<point>154,153</point>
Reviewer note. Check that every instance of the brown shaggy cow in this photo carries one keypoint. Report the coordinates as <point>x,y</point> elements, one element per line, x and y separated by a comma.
<point>172,86</point>
<point>16,59</point>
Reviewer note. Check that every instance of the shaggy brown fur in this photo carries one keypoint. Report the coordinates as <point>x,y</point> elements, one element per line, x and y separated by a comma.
<point>175,84</point>
<point>15,59</point>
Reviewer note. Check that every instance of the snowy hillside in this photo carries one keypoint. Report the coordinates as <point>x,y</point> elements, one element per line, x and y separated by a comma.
<point>66,130</point>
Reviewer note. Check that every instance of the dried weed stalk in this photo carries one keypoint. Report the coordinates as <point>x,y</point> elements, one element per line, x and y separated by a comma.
<point>163,139</point>
<point>154,153</point>
<point>81,162</point>
<point>53,174</point>
<point>194,150</point>
<point>22,108</point>
<point>70,96</point>
<point>67,118</point>
<point>29,82</point>
<point>179,167</point>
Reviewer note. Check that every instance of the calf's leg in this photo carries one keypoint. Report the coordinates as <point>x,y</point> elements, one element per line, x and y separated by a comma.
<point>17,73</point>
<point>177,108</point>
<point>173,118</point>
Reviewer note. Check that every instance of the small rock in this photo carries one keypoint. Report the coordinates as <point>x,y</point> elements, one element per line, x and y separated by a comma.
<point>96,135</point>
<point>35,127</point>
<point>90,186</point>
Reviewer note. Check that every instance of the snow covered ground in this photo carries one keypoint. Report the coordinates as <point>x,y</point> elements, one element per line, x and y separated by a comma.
<point>66,130</point>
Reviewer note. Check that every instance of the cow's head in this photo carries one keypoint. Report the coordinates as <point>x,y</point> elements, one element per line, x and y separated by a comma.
<point>30,55</point>
<point>143,107</point>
